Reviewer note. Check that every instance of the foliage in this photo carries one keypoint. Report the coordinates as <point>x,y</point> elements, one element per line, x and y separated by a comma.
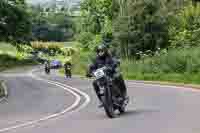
<point>47,47</point>
<point>10,57</point>
<point>14,21</point>
<point>51,26</point>
<point>96,13</point>
<point>6,48</point>
<point>175,65</point>
<point>184,29</point>
<point>8,61</point>
<point>85,38</point>
<point>132,25</point>
<point>96,23</point>
<point>141,27</point>
<point>172,61</point>
<point>53,48</point>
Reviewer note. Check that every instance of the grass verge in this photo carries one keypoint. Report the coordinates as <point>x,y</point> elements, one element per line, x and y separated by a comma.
<point>8,61</point>
<point>175,66</point>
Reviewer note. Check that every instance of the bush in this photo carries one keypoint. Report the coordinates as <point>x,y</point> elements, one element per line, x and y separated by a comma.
<point>69,51</point>
<point>95,42</point>
<point>81,60</point>
<point>182,60</point>
<point>144,28</point>
<point>8,61</point>
<point>85,38</point>
<point>184,29</point>
<point>47,47</point>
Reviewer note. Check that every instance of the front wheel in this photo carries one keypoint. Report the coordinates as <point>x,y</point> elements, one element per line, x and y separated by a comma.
<point>68,74</point>
<point>108,103</point>
<point>47,71</point>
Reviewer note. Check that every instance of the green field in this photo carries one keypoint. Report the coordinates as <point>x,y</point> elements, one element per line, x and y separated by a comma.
<point>10,58</point>
<point>6,48</point>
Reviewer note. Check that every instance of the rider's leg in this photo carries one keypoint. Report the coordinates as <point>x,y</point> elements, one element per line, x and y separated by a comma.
<point>120,82</point>
<point>65,73</point>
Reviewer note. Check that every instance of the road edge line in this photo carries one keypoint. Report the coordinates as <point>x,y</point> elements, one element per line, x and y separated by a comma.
<point>78,98</point>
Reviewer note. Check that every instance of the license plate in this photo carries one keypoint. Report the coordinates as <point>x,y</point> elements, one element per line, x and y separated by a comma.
<point>99,73</point>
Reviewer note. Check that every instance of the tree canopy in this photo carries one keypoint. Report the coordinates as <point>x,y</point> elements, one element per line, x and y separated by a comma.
<point>15,25</point>
<point>135,26</point>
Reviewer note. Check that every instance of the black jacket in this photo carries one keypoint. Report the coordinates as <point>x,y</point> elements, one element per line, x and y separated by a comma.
<point>107,61</point>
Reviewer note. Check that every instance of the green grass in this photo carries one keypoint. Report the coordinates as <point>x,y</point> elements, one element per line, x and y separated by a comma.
<point>176,65</point>
<point>8,61</point>
<point>6,48</point>
<point>10,58</point>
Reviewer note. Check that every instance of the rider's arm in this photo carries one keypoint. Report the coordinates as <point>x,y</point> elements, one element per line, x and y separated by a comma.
<point>113,63</point>
<point>91,68</point>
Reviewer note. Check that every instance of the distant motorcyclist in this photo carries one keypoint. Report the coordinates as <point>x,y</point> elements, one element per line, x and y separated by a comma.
<point>47,66</point>
<point>68,66</point>
<point>104,58</point>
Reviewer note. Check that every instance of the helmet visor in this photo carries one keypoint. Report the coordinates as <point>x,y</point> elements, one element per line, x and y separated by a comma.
<point>101,52</point>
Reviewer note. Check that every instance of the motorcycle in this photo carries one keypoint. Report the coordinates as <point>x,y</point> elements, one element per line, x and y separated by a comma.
<point>47,68</point>
<point>68,73</point>
<point>110,94</point>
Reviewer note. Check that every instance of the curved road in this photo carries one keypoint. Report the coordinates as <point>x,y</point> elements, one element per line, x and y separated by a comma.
<point>42,103</point>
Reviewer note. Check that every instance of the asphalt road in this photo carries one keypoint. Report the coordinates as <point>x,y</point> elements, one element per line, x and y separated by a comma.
<point>49,106</point>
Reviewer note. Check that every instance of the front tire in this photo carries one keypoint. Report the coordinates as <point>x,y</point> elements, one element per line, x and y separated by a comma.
<point>47,71</point>
<point>108,103</point>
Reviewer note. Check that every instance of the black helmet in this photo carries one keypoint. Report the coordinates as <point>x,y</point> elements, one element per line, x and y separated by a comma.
<point>101,50</point>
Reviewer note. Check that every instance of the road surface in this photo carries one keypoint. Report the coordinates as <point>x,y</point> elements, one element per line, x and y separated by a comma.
<point>40,103</point>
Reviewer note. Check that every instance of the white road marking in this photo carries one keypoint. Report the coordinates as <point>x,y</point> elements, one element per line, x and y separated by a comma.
<point>163,86</point>
<point>3,98</point>
<point>83,94</point>
<point>70,89</point>
<point>5,91</point>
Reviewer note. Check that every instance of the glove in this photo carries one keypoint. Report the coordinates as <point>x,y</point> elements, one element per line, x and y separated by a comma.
<point>88,75</point>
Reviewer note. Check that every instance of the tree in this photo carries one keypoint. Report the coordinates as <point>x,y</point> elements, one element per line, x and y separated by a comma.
<point>194,2</point>
<point>143,25</point>
<point>15,24</point>
<point>51,26</point>
<point>96,13</point>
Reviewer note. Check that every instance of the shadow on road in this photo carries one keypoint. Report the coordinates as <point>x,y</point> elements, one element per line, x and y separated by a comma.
<point>131,113</point>
<point>137,112</point>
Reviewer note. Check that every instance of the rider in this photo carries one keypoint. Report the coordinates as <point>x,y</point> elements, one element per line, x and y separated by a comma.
<point>68,64</point>
<point>47,65</point>
<point>104,58</point>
